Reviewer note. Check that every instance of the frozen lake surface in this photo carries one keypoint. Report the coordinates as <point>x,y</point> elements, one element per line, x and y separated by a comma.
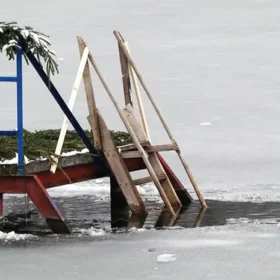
<point>213,67</point>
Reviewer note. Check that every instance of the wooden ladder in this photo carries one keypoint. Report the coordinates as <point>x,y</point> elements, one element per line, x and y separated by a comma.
<point>143,148</point>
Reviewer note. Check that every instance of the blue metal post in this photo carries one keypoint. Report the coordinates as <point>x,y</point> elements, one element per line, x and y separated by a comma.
<point>21,170</point>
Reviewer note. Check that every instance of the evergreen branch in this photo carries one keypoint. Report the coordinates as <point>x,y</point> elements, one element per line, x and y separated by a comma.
<point>11,36</point>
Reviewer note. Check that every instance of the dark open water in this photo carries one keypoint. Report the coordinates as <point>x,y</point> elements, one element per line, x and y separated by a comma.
<point>84,213</point>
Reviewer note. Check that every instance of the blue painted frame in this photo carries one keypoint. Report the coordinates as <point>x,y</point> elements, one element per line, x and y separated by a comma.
<point>98,155</point>
<point>19,132</point>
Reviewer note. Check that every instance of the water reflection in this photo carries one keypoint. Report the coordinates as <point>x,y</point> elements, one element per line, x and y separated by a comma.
<point>218,213</point>
<point>84,213</point>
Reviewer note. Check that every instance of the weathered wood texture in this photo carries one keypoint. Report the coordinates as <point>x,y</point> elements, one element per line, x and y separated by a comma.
<point>135,124</point>
<point>148,149</point>
<point>90,98</point>
<point>125,77</point>
<point>145,180</point>
<point>133,136</point>
<point>164,123</point>
<point>120,170</point>
<point>155,165</point>
<point>138,97</point>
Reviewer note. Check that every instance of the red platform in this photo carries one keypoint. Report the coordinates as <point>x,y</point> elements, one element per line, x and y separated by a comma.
<point>35,185</point>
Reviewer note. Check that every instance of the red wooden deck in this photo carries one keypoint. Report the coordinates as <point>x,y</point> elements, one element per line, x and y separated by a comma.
<point>35,185</point>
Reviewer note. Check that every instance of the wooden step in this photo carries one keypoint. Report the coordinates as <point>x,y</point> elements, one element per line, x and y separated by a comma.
<point>148,179</point>
<point>131,152</point>
<point>130,147</point>
<point>161,148</point>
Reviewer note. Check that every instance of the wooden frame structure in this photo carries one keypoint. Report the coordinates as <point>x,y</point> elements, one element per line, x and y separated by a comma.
<point>141,146</point>
<point>104,158</point>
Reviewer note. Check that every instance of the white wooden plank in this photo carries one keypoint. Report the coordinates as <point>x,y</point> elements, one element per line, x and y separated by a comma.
<point>71,104</point>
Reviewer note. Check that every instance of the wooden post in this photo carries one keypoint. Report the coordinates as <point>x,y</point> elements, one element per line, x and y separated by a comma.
<point>118,201</point>
<point>90,99</point>
<point>119,206</point>
<point>138,97</point>
<point>198,193</point>
<point>125,77</point>
<point>71,103</point>
<point>133,136</point>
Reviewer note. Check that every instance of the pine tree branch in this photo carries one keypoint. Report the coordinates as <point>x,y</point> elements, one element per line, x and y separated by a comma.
<point>11,34</point>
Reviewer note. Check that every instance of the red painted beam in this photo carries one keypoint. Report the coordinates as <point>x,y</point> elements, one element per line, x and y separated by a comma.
<point>182,193</point>
<point>33,187</point>
<point>82,172</point>
<point>14,184</point>
<point>41,199</point>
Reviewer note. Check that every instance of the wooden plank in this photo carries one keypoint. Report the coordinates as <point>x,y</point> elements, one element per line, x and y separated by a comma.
<point>128,153</point>
<point>131,146</point>
<point>125,77</point>
<point>166,184</point>
<point>120,170</point>
<point>90,99</point>
<point>71,104</point>
<point>161,148</point>
<point>131,154</point>
<point>138,96</point>
<point>134,123</point>
<point>145,180</point>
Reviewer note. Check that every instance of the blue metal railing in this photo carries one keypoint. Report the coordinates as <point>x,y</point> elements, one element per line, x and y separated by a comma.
<point>19,131</point>
<point>98,155</point>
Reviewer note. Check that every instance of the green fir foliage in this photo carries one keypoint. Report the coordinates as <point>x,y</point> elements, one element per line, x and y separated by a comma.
<point>43,143</point>
<point>11,35</point>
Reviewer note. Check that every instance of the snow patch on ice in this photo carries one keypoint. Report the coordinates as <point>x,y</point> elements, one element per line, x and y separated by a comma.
<point>100,190</point>
<point>72,153</point>
<point>205,123</point>
<point>166,258</point>
<point>12,236</point>
<point>149,192</point>
<point>134,229</point>
<point>66,154</point>
<point>92,188</point>
<point>93,232</point>
<point>196,243</point>
<point>13,160</point>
